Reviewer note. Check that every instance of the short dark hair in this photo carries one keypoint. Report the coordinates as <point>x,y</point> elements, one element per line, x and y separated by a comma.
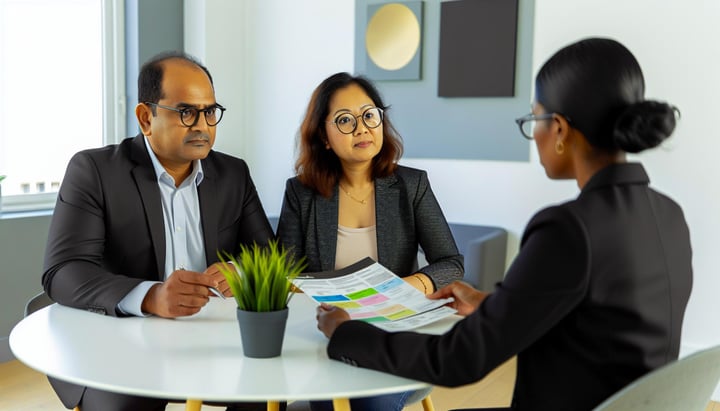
<point>597,84</point>
<point>151,75</point>
<point>320,168</point>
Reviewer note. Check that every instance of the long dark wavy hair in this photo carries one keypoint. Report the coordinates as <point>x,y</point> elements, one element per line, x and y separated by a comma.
<point>320,168</point>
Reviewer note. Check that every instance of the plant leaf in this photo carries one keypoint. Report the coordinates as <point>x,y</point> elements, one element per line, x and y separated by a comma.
<point>263,279</point>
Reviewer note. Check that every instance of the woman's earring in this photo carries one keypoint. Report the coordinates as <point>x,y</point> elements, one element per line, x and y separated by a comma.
<point>559,147</point>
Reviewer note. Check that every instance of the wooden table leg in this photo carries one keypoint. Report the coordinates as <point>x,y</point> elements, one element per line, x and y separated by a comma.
<point>427,403</point>
<point>193,405</point>
<point>341,404</point>
<point>273,406</point>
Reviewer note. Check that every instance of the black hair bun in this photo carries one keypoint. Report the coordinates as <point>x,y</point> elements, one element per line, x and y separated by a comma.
<point>644,125</point>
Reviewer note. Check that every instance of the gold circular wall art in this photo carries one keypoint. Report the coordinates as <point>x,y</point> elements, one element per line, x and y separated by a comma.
<point>392,36</point>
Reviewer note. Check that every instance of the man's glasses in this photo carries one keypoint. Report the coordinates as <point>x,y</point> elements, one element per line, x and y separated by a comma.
<point>346,123</point>
<point>527,123</point>
<point>189,115</point>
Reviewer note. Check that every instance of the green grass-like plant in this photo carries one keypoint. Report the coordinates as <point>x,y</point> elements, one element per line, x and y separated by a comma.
<point>263,278</point>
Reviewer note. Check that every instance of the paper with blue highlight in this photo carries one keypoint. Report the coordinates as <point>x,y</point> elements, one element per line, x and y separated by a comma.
<point>370,292</point>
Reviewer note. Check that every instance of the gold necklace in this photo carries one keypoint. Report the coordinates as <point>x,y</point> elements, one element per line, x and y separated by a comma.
<point>355,198</point>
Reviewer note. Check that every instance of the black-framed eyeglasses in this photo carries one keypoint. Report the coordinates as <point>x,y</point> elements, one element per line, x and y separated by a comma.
<point>346,123</point>
<point>527,123</point>
<point>189,115</point>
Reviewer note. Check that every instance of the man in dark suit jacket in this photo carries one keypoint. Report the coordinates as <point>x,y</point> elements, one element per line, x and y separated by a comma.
<point>137,225</point>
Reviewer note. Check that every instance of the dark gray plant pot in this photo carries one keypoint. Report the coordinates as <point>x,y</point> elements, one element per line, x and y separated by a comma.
<point>262,333</point>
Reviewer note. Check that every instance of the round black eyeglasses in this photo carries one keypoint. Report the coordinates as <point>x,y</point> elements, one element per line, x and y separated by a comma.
<point>346,123</point>
<point>189,116</point>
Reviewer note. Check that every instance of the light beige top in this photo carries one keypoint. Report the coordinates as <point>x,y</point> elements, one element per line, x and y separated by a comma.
<point>354,244</point>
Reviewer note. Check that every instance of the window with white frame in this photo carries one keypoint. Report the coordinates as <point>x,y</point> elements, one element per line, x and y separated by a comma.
<point>57,91</point>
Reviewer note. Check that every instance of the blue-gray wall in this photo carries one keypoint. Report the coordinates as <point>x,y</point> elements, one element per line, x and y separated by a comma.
<point>159,24</point>
<point>22,246</point>
<point>455,128</point>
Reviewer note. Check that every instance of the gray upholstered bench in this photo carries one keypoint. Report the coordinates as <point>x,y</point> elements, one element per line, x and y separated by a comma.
<point>485,251</point>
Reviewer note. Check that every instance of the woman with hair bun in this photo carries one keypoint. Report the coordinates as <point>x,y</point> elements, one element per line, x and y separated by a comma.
<point>597,293</point>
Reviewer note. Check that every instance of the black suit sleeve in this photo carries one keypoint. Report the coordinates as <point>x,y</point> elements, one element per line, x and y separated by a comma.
<point>547,280</point>
<point>254,225</point>
<point>231,210</point>
<point>74,273</point>
<point>445,263</point>
<point>290,225</point>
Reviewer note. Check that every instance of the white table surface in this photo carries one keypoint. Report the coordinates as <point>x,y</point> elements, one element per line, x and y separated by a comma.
<point>196,357</point>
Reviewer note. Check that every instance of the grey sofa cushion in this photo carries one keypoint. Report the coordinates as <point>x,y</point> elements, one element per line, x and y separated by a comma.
<point>485,252</point>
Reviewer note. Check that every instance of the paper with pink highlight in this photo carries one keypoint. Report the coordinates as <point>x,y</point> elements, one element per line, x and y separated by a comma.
<point>370,292</point>
<point>373,300</point>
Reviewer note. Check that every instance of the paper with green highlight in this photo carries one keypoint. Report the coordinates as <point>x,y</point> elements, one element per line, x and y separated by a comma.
<point>370,292</point>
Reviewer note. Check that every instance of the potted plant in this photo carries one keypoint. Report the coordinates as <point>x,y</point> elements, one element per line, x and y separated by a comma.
<point>261,282</point>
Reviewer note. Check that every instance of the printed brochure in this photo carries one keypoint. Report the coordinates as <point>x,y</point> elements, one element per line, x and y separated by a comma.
<point>370,292</point>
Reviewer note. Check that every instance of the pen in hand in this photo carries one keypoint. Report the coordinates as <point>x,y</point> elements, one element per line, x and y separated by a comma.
<point>212,289</point>
<point>216,292</point>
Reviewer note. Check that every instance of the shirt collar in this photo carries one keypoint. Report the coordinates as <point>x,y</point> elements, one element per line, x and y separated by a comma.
<point>197,171</point>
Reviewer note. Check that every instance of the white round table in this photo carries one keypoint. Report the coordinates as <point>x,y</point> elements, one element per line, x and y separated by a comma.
<point>198,358</point>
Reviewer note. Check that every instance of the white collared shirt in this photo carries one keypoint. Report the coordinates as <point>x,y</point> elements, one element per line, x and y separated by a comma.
<point>184,245</point>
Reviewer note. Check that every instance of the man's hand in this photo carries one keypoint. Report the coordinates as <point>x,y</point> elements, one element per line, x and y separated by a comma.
<point>330,317</point>
<point>222,285</point>
<point>467,299</point>
<point>183,293</point>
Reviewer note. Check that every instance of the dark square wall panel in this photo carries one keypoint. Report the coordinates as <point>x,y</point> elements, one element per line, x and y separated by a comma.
<point>477,48</point>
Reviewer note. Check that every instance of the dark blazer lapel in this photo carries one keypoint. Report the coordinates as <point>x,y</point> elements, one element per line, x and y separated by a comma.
<point>146,180</point>
<point>209,210</point>
<point>387,215</point>
<point>326,226</point>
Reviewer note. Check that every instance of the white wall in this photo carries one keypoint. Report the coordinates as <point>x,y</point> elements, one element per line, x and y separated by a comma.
<point>268,55</point>
<point>676,44</point>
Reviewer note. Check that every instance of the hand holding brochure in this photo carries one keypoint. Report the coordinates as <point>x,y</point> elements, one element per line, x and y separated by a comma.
<point>370,292</point>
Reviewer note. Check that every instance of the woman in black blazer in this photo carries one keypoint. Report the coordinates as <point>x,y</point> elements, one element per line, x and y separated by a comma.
<point>351,200</point>
<point>596,296</point>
